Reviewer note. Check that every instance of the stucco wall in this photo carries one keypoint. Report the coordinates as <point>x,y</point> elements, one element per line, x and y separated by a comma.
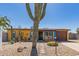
<point>25,34</point>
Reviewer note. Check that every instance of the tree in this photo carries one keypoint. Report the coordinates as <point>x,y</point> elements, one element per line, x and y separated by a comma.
<point>39,13</point>
<point>4,23</point>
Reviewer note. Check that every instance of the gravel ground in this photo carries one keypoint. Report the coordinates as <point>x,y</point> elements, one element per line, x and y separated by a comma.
<point>11,49</point>
<point>42,49</point>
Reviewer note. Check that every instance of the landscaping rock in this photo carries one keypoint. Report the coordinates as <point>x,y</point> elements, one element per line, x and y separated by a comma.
<point>19,49</point>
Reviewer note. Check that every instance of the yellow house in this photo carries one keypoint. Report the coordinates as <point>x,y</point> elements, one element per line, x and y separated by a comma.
<point>16,33</point>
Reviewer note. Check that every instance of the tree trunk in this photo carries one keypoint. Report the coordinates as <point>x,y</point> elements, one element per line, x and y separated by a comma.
<point>35,34</point>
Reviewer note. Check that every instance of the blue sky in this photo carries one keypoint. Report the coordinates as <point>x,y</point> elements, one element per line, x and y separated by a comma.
<point>57,15</point>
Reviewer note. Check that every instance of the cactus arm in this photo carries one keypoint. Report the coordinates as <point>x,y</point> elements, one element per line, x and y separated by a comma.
<point>36,10</point>
<point>40,10</point>
<point>43,11</point>
<point>29,11</point>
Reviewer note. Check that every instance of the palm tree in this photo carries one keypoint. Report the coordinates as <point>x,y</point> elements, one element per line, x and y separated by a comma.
<point>4,23</point>
<point>39,13</point>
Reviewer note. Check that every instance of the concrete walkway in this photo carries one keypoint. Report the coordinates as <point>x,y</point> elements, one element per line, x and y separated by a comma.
<point>41,49</point>
<point>74,46</point>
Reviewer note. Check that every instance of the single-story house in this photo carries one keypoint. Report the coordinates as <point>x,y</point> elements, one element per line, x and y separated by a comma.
<point>44,34</point>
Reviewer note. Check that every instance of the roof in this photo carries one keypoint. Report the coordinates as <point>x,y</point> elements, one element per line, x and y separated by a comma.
<point>19,29</point>
<point>39,29</point>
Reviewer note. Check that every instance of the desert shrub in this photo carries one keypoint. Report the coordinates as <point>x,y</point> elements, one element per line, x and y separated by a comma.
<point>52,44</point>
<point>12,42</point>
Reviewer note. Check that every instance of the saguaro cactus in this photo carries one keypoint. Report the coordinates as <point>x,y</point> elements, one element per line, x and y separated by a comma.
<point>39,13</point>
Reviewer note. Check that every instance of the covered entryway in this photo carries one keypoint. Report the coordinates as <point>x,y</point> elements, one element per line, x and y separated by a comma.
<point>40,35</point>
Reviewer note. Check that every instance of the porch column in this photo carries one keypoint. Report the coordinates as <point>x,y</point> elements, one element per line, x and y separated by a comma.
<point>67,36</point>
<point>31,35</point>
<point>43,36</point>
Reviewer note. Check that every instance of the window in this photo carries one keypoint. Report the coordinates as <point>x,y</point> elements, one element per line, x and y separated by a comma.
<point>54,35</point>
<point>51,33</point>
<point>30,35</point>
<point>21,34</point>
<point>14,34</point>
<point>46,33</point>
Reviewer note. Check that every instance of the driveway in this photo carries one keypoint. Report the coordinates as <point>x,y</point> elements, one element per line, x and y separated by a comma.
<point>73,44</point>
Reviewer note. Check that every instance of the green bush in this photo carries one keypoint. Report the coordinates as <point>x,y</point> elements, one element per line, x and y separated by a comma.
<point>52,44</point>
<point>12,42</point>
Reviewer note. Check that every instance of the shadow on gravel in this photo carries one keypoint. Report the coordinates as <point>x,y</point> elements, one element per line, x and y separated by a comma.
<point>34,52</point>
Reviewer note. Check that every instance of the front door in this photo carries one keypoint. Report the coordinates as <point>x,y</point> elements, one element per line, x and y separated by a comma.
<point>40,35</point>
